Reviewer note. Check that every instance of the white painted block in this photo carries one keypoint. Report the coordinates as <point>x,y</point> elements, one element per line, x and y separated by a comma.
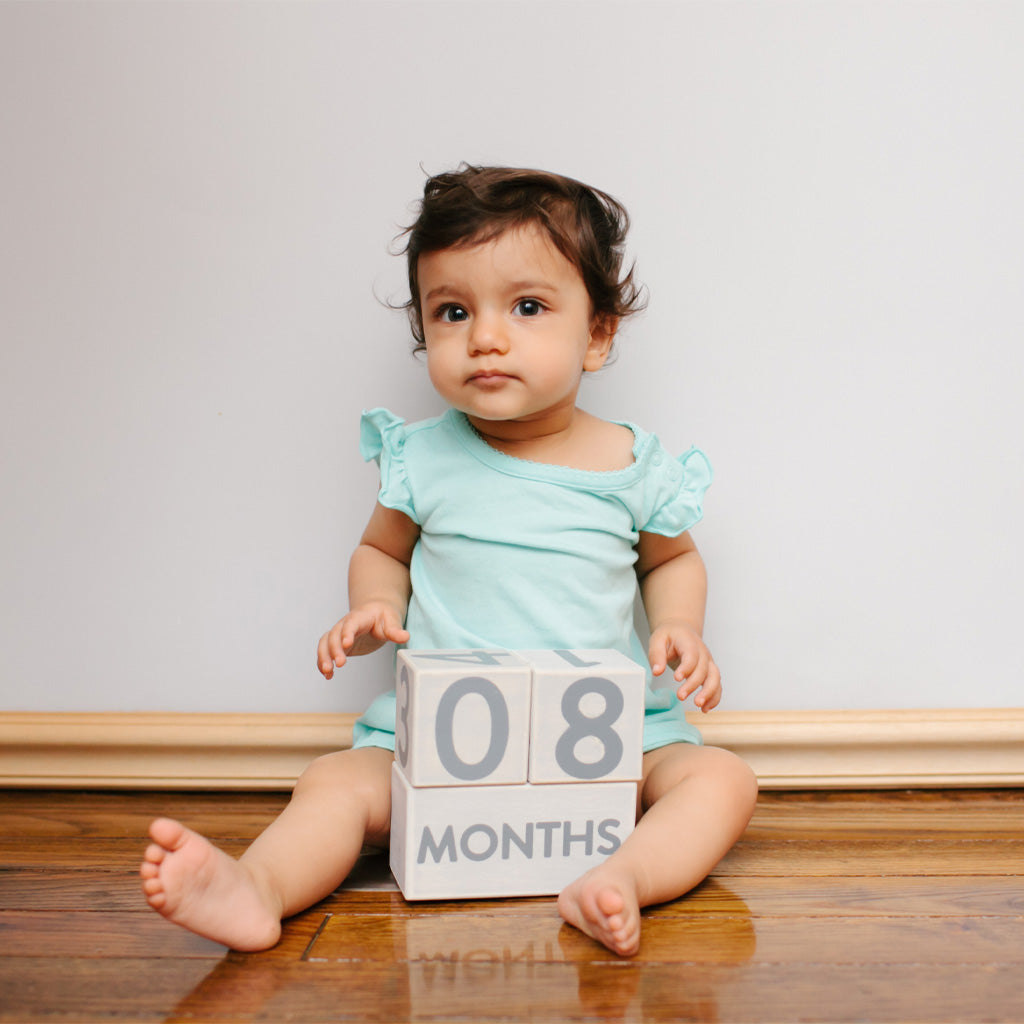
<point>463,717</point>
<point>482,841</point>
<point>587,716</point>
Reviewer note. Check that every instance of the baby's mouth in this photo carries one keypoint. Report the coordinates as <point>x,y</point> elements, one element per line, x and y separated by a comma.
<point>490,377</point>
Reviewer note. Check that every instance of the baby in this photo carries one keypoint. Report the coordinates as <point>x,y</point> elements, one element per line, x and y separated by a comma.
<point>513,520</point>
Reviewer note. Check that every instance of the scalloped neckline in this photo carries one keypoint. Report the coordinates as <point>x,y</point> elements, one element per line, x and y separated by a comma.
<point>500,460</point>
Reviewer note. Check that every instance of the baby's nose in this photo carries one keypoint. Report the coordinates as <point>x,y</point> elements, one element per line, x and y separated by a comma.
<point>487,335</point>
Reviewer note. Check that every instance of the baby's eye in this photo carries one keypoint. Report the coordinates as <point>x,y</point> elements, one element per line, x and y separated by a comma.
<point>451,314</point>
<point>528,307</point>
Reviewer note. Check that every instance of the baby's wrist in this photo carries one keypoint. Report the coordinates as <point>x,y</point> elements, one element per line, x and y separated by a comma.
<point>671,625</point>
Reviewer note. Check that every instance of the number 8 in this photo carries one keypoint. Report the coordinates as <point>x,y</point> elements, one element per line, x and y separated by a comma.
<point>581,725</point>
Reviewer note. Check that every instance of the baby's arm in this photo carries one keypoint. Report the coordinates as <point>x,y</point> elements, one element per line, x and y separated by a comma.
<point>673,585</point>
<point>378,591</point>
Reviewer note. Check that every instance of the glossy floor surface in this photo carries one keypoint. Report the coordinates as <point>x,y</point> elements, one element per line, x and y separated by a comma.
<point>833,907</point>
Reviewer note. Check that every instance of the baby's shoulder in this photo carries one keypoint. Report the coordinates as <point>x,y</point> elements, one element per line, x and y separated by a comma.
<point>609,445</point>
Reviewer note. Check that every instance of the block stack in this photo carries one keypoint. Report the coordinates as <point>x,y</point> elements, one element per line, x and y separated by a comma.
<point>515,771</point>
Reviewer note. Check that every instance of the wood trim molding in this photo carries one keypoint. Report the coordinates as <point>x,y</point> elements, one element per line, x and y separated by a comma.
<point>165,750</point>
<point>787,749</point>
<point>875,749</point>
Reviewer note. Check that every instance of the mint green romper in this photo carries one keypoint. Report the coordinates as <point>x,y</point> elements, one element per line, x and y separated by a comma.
<point>525,555</point>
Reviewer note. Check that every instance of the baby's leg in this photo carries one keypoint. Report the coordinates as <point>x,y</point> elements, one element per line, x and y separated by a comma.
<point>341,802</point>
<point>695,803</point>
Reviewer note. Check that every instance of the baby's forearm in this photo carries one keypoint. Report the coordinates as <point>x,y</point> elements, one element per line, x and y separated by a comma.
<point>676,591</point>
<point>376,577</point>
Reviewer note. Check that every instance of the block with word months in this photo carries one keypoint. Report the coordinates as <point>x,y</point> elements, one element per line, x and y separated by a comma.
<point>587,716</point>
<point>482,841</point>
<point>463,717</point>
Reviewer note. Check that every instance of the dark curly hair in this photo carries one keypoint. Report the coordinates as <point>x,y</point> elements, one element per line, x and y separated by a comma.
<point>472,205</point>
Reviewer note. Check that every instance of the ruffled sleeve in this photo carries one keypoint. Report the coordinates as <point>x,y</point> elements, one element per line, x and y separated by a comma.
<point>676,491</point>
<point>382,437</point>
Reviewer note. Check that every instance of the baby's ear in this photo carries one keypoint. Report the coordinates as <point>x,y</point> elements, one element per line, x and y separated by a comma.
<point>602,334</point>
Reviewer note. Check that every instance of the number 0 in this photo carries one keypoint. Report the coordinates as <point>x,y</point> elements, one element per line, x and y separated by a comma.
<point>444,728</point>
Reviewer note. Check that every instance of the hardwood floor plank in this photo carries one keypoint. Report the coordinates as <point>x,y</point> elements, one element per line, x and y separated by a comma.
<point>777,896</point>
<point>141,935</point>
<point>172,991</point>
<point>996,823</point>
<point>85,853</point>
<point>797,857</point>
<point>114,814</point>
<point>694,940</point>
<point>892,896</point>
<point>485,991</point>
<point>70,890</point>
<point>36,933</point>
<point>801,858</point>
<point>33,888</point>
<point>128,814</point>
<point>86,991</point>
<point>909,799</point>
<point>760,896</point>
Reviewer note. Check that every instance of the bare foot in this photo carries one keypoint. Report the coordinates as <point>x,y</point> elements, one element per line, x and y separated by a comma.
<point>603,904</point>
<point>194,884</point>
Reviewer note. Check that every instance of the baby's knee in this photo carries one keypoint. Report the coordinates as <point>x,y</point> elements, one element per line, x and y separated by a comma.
<point>743,780</point>
<point>733,772</point>
<point>362,776</point>
<point>728,774</point>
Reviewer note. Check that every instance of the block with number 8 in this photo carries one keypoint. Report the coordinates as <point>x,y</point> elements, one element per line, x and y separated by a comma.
<point>586,719</point>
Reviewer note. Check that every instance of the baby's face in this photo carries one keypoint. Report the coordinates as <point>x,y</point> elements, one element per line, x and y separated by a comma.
<point>508,327</point>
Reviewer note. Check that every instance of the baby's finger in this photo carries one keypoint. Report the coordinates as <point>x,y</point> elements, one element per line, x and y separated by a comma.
<point>324,661</point>
<point>387,627</point>
<point>692,673</point>
<point>339,641</point>
<point>711,692</point>
<point>342,639</point>
<point>658,653</point>
<point>689,663</point>
<point>397,634</point>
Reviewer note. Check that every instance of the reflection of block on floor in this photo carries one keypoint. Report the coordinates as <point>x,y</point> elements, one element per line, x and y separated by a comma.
<point>479,841</point>
<point>422,935</point>
<point>484,939</point>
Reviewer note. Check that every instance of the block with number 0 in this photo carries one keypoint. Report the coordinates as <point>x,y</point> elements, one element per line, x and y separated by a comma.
<point>463,717</point>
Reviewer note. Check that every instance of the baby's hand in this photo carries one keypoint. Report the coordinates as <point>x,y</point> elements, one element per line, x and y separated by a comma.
<point>676,645</point>
<point>362,631</point>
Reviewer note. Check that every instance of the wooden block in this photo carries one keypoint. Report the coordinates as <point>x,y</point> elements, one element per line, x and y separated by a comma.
<point>463,717</point>
<point>586,716</point>
<point>481,841</point>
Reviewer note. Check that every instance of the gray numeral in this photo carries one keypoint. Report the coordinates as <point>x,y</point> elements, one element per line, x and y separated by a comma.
<point>581,725</point>
<point>445,722</point>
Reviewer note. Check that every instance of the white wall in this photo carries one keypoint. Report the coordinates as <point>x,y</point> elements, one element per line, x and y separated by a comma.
<point>197,202</point>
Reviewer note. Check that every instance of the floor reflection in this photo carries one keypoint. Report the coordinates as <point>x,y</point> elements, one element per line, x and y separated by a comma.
<point>507,959</point>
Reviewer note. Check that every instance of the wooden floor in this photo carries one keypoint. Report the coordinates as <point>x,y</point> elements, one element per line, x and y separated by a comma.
<point>833,907</point>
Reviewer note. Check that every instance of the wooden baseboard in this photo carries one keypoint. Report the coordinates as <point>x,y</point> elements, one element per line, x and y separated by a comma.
<point>787,749</point>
